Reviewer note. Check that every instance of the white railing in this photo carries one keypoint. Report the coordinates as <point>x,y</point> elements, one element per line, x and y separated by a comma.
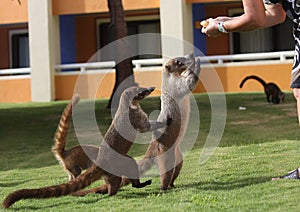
<point>107,66</point>
<point>221,59</point>
<point>149,64</point>
<point>15,71</point>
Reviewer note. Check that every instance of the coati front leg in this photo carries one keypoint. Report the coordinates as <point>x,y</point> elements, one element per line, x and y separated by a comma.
<point>268,97</point>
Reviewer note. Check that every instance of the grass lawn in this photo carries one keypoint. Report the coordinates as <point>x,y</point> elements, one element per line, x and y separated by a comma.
<point>259,143</point>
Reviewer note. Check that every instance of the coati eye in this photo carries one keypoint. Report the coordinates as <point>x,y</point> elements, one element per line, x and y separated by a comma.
<point>179,63</point>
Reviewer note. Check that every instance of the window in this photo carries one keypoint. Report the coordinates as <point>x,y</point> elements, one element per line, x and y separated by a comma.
<point>19,48</point>
<point>277,38</point>
<point>134,27</point>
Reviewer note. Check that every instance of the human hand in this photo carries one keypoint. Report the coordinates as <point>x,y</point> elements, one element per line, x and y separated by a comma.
<point>210,27</point>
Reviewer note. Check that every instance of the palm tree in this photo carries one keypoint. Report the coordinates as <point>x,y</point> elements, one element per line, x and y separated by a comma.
<point>124,68</point>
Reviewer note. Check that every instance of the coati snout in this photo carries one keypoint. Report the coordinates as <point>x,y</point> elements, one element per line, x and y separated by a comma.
<point>180,64</point>
<point>143,92</point>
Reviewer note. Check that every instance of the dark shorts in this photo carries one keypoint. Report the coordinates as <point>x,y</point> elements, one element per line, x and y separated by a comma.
<point>295,78</point>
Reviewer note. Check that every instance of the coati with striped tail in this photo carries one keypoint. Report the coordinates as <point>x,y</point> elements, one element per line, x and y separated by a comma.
<point>271,89</point>
<point>77,158</point>
<point>180,76</point>
<point>112,161</point>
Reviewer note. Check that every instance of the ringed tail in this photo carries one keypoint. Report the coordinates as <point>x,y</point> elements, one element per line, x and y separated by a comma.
<point>87,178</point>
<point>62,129</point>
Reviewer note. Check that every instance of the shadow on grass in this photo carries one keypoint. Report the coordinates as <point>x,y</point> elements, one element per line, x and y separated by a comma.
<point>78,200</point>
<point>230,185</point>
<point>13,184</point>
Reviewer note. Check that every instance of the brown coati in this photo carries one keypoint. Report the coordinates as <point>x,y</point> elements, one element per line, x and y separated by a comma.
<point>112,161</point>
<point>271,89</point>
<point>77,158</point>
<point>179,78</point>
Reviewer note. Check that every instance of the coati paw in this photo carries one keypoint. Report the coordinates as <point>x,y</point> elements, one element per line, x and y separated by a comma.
<point>148,182</point>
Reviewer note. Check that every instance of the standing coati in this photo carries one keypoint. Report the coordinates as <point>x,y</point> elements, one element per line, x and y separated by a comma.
<point>112,161</point>
<point>271,89</point>
<point>77,158</point>
<point>179,78</point>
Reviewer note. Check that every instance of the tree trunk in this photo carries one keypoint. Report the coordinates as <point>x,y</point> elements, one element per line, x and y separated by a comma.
<point>124,68</point>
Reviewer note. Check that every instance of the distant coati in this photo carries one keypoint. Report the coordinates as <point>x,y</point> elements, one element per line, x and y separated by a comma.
<point>77,158</point>
<point>112,160</point>
<point>179,78</point>
<point>271,89</point>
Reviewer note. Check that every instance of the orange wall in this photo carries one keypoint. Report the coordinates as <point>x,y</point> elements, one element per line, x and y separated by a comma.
<point>100,85</point>
<point>218,45</point>
<point>229,76</point>
<point>15,90</point>
<point>92,6</point>
<point>11,12</point>
<point>209,1</point>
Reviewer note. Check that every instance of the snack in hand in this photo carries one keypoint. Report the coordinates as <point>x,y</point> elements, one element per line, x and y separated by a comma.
<point>204,23</point>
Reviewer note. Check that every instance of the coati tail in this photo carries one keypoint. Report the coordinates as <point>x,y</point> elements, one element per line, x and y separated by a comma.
<point>82,181</point>
<point>253,77</point>
<point>62,129</point>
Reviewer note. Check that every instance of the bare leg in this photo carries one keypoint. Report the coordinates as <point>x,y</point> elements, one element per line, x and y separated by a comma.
<point>297,97</point>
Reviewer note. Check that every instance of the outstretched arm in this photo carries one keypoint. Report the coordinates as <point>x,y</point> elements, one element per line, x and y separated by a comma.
<point>256,15</point>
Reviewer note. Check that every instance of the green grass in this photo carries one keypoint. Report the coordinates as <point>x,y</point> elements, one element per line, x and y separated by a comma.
<point>259,143</point>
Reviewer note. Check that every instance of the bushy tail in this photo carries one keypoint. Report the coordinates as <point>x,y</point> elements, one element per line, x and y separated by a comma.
<point>253,77</point>
<point>62,129</point>
<point>87,178</point>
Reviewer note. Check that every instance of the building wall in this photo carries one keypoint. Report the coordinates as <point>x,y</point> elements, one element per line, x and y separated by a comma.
<point>12,12</point>
<point>101,85</point>
<point>15,90</point>
<point>4,43</point>
<point>98,6</point>
<point>218,45</point>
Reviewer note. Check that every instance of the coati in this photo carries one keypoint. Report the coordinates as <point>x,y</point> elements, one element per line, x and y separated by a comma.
<point>271,89</point>
<point>77,158</point>
<point>112,161</point>
<point>179,78</point>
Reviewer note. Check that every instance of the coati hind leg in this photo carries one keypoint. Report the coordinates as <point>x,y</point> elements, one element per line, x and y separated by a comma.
<point>73,172</point>
<point>179,162</point>
<point>165,163</point>
<point>113,185</point>
<point>127,167</point>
